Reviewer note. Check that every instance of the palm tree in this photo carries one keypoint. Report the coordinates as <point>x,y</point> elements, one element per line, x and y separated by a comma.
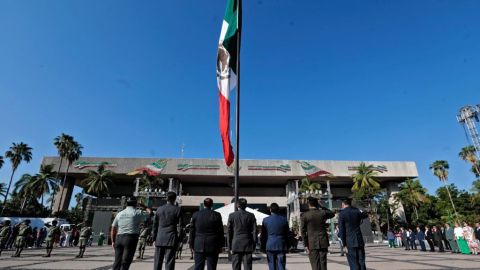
<point>74,151</point>
<point>97,182</point>
<point>475,170</point>
<point>308,186</point>
<point>62,144</point>
<point>412,193</point>
<point>25,189</point>
<point>2,189</point>
<point>1,162</point>
<point>364,178</point>
<point>468,154</point>
<point>440,170</point>
<point>17,153</point>
<point>365,184</point>
<point>44,181</point>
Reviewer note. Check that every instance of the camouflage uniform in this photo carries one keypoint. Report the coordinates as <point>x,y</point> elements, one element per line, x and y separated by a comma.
<point>24,231</point>
<point>142,241</point>
<point>52,234</point>
<point>85,234</point>
<point>5,232</point>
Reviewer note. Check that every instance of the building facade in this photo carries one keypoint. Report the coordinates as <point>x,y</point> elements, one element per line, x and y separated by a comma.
<point>261,181</point>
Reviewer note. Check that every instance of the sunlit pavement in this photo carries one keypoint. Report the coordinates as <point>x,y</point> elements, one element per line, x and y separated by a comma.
<point>378,257</point>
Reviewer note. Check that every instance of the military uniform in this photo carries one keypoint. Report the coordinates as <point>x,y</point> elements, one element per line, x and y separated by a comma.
<point>142,241</point>
<point>4,235</point>
<point>24,232</point>
<point>53,233</point>
<point>85,234</point>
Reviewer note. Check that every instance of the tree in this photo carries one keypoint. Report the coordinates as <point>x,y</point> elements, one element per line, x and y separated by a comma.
<point>364,179</point>
<point>475,170</point>
<point>97,182</point>
<point>2,189</point>
<point>307,185</point>
<point>73,153</point>
<point>468,154</point>
<point>62,143</point>
<point>366,187</point>
<point>44,181</point>
<point>25,189</point>
<point>411,194</point>
<point>1,161</point>
<point>17,153</point>
<point>440,170</point>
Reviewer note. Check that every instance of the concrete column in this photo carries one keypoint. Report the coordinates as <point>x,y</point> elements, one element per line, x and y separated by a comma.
<point>392,189</point>
<point>67,189</point>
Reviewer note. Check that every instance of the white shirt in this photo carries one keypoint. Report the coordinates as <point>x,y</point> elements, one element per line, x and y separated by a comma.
<point>458,231</point>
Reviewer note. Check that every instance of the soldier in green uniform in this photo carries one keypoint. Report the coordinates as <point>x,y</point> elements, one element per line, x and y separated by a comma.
<point>85,234</point>
<point>142,241</point>
<point>4,234</point>
<point>53,234</point>
<point>24,231</point>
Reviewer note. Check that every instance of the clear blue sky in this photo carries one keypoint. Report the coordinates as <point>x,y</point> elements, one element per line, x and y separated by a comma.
<point>335,80</point>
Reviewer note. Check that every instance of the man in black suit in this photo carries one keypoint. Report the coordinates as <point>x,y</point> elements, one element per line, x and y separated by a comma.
<point>349,222</point>
<point>206,236</point>
<point>314,233</point>
<point>242,236</point>
<point>166,229</point>
<point>437,238</point>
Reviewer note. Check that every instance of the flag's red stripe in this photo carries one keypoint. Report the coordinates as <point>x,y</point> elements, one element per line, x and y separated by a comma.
<point>225,129</point>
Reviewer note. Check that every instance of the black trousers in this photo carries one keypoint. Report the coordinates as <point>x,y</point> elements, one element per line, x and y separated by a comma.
<point>318,258</point>
<point>238,258</point>
<point>167,254</point>
<point>202,257</point>
<point>125,245</point>
<point>356,258</point>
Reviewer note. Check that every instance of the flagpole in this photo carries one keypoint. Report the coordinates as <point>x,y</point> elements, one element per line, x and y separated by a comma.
<point>237,108</point>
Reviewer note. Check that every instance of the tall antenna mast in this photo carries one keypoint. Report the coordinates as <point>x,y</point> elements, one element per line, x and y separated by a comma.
<point>467,117</point>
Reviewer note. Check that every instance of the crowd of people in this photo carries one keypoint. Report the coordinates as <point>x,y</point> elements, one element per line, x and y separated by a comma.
<point>21,236</point>
<point>458,239</point>
<point>135,228</point>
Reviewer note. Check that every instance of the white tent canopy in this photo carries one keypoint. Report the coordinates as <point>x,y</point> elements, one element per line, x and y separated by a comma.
<point>230,208</point>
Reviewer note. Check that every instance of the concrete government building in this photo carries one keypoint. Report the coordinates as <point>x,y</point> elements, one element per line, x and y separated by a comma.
<point>261,181</point>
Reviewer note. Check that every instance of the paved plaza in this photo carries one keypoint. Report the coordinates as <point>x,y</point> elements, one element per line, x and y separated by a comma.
<point>378,257</point>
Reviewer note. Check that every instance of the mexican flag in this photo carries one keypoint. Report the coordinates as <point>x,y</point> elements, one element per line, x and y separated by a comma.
<point>227,58</point>
<point>311,170</point>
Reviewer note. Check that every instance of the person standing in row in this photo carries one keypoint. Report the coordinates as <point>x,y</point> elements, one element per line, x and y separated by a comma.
<point>242,236</point>
<point>450,236</point>
<point>349,221</point>
<point>314,233</point>
<point>274,238</point>
<point>85,234</point>
<point>142,242</point>
<point>125,232</point>
<point>166,230</point>
<point>24,232</point>
<point>206,236</point>
<point>437,238</point>
<point>5,232</point>
<point>429,238</point>
<point>53,235</point>
<point>421,239</point>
